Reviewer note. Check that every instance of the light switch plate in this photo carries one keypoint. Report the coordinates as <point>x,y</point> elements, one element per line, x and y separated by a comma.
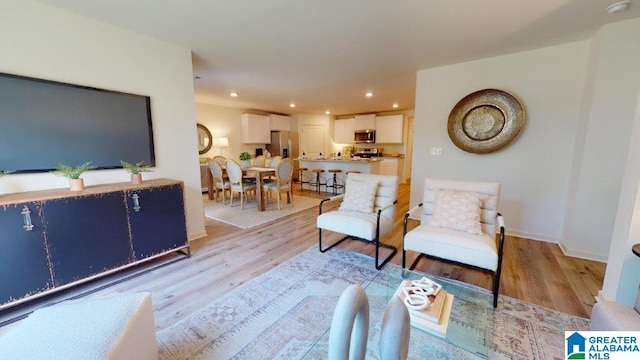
<point>436,151</point>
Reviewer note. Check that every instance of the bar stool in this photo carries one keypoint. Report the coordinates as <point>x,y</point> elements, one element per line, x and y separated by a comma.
<point>334,184</point>
<point>318,181</point>
<point>301,175</point>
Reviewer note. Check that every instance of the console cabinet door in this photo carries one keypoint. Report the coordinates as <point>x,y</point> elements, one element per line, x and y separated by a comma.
<point>87,235</point>
<point>157,220</point>
<point>24,264</point>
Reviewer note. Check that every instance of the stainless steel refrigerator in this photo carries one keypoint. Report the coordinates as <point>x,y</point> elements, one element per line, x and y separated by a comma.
<point>285,144</point>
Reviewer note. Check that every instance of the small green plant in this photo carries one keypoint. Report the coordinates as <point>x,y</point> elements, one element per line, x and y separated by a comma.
<point>5,172</point>
<point>245,156</point>
<point>73,172</point>
<point>137,167</point>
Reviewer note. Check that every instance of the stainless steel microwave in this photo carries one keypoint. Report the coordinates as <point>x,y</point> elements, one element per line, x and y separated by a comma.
<point>365,136</point>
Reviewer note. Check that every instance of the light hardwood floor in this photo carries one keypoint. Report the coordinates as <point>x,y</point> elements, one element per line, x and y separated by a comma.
<point>533,271</point>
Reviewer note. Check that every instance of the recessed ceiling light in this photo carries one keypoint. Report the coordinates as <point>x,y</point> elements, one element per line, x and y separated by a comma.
<point>292,105</point>
<point>233,94</point>
<point>327,112</point>
<point>369,94</point>
<point>618,6</point>
<point>395,106</point>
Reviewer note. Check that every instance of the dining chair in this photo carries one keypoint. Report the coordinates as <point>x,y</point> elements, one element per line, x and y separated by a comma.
<point>219,182</point>
<point>259,161</point>
<point>283,182</point>
<point>273,163</point>
<point>237,184</point>
<point>221,160</point>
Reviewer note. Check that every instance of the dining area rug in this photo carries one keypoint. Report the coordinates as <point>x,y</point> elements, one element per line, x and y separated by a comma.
<point>249,216</point>
<point>286,313</point>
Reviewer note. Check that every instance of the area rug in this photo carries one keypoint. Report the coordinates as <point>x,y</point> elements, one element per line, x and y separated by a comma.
<point>286,313</point>
<point>250,216</point>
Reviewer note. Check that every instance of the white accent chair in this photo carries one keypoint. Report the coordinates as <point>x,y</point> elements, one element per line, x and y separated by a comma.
<point>237,183</point>
<point>259,161</point>
<point>367,227</point>
<point>477,251</point>
<point>283,182</point>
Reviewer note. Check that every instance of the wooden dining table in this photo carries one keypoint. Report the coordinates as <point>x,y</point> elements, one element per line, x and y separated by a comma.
<point>259,173</point>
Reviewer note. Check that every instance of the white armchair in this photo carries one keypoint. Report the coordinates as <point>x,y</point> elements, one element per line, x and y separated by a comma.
<point>366,213</point>
<point>458,222</point>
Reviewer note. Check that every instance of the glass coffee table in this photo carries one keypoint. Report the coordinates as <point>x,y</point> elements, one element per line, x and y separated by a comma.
<point>469,333</point>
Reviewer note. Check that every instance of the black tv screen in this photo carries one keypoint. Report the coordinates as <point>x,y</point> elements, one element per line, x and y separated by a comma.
<point>43,123</point>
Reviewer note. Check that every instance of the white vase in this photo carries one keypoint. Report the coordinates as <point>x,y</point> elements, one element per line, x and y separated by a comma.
<point>76,184</point>
<point>245,163</point>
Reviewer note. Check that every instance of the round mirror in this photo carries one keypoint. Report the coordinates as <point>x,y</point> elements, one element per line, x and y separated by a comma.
<point>204,139</point>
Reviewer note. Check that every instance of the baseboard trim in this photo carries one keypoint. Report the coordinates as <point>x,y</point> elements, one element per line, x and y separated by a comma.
<point>197,235</point>
<point>532,236</point>
<point>583,254</point>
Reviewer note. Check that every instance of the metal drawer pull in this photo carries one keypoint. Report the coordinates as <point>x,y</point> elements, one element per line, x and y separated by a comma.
<point>26,216</point>
<point>136,202</point>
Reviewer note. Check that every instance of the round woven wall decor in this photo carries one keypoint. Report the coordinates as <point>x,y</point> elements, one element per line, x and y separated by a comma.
<point>486,121</point>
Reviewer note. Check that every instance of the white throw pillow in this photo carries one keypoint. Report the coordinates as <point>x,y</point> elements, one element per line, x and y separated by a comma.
<point>359,196</point>
<point>457,210</point>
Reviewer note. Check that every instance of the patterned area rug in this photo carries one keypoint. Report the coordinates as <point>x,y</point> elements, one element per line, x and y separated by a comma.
<point>286,313</point>
<point>250,216</point>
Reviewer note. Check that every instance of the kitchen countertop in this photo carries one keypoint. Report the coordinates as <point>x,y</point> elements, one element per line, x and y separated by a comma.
<point>344,160</point>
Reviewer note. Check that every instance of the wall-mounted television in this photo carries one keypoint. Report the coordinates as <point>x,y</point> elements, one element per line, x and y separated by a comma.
<point>43,123</point>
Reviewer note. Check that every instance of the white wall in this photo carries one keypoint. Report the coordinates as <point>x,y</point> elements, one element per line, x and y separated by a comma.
<point>535,169</point>
<point>41,41</point>
<point>616,115</point>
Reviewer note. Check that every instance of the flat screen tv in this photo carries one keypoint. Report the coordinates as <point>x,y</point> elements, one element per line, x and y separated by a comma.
<point>43,123</point>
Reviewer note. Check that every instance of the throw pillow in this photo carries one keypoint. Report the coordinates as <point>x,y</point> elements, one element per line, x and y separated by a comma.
<point>457,210</point>
<point>359,196</point>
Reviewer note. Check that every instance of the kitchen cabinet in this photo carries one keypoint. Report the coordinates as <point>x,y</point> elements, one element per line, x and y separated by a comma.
<point>256,129</point>
<point>54,239</point>
<point>280,122</point>
<point>389,166</point>
<point>343,131</point>
<point>365,122</point>
<point>24,264</point>
<point>389,129</point>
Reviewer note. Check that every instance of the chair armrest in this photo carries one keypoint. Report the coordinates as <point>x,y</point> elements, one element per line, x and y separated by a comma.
<point>500,221</point>
<point>406,217</point>
<point>330,199</point>
<point>387,207</point>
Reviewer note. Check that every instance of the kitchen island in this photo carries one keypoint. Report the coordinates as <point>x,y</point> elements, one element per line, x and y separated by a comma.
<point>363,165</point>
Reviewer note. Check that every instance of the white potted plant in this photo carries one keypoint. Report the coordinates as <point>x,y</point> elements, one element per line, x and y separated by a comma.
<point>245,159</point>
<point>73,174</point>
<point>136,170</point>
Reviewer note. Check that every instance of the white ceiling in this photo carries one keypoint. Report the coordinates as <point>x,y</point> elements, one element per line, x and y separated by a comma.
<point>325,54</point>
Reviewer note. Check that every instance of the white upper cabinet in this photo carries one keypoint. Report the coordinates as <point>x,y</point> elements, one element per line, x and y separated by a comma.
<point>256,129</point>
<point>280,122</point>
<point>343,131</point>
<point>389,129</point>
<point>365,122</point>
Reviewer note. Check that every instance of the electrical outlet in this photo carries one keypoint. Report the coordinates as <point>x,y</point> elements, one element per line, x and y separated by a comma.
<point>436,151</point>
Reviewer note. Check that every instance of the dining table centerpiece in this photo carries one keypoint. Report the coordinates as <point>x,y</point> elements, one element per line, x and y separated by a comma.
<point>245,159</point>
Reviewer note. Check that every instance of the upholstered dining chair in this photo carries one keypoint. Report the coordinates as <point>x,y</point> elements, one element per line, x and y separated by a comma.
<point>458,223</point>
<point>221,160</point>
<point>366,213</point>
<point>258,161</point>
<point>283,182</point>
<point>274,161</point>
<point>220,184</point>
<point>237,184</point>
